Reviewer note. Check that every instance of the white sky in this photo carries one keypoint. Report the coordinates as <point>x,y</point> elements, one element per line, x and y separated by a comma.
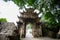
<point>9,11</point>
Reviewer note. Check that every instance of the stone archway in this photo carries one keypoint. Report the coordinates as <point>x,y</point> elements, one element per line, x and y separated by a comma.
<point>29,17</point>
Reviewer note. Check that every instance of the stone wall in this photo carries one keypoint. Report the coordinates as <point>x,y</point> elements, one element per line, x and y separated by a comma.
<point>37,30</point>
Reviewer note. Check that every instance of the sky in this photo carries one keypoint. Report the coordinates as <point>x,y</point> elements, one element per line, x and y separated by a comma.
<point>9,10</point>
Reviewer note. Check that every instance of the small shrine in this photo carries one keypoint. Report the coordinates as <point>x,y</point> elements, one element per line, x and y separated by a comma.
<point>29,16</point>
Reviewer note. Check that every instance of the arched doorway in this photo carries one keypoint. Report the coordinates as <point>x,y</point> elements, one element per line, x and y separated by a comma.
<point>29,31</point>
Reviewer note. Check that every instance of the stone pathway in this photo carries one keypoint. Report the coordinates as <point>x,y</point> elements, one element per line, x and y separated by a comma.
<point>29,33</point>
<point>38,39</point>
<point>29,36</point>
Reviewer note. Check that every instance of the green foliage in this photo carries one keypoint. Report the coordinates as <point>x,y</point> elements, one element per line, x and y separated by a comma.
<point>29,26</point>
<point>51,15</point>
<point>22,3</point>
<point>3,20</point>
<point>19,3</point>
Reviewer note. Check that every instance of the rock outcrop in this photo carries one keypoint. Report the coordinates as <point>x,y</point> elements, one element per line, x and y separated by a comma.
<point>6,29</point>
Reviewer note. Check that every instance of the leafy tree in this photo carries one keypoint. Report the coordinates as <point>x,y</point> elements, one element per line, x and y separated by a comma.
<point>49,8</point>
<point>3,20</point>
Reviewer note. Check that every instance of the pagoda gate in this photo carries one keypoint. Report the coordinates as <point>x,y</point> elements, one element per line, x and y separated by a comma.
<point>29,17</point>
